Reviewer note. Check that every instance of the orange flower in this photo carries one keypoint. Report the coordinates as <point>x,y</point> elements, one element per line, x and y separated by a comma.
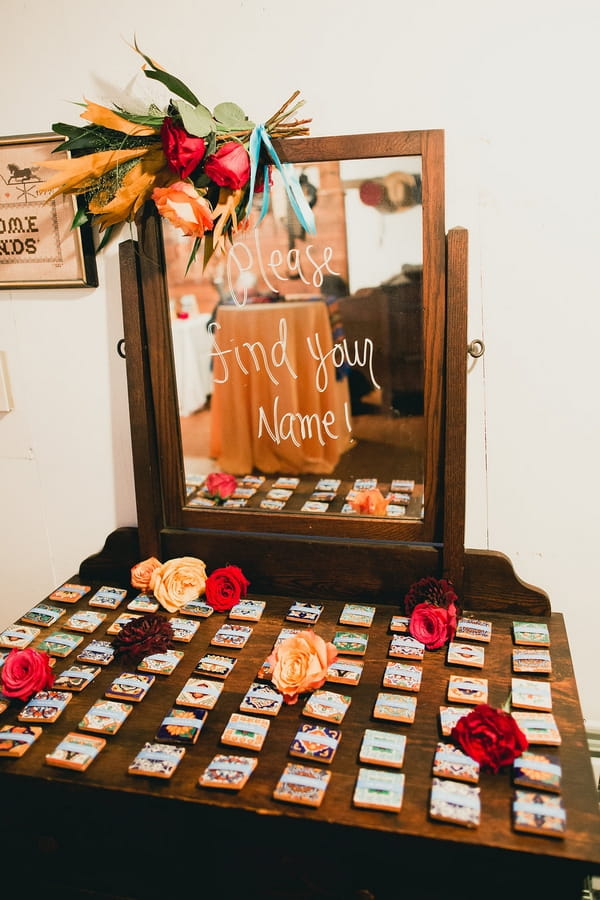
<point>135,188</point>
<point>370,502</point>
<point>300,664</point>
<point>178,581</point>
<point>142,571</point>
<point>183,206</point>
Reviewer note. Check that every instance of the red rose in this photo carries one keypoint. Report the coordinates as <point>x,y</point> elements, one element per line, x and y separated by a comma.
<point>220,485</point>
<point>229,166</point>
<point>489,736</point>
<point>433,625</point>
<point>184,152</point>
<point>25,672</point>
<point>226,587</point>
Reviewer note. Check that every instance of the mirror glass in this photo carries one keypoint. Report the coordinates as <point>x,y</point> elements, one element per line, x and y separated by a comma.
<point>298,357</point>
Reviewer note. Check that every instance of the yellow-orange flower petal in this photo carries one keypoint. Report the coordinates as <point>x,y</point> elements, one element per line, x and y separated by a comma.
<point>77,174</point>
<point>101,115</point>
<point>135,188</point>
<point>183,206</point>
<point>224,211</point>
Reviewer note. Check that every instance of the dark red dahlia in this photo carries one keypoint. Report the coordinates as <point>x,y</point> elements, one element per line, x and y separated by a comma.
<point>437,591</point>
<point>142,637</point>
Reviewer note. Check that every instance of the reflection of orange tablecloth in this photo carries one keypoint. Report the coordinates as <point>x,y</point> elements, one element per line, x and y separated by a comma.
<point>256,414</point>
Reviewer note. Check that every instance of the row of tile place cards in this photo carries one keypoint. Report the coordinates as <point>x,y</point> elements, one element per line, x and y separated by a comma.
<point>357,614</point>
<point>156,760</point>
<point>181,725</point>
<point>43,615</point>
<point>328,706</point>
<point>404,646</point>
<point>105,717</point>
<point>69,593</point>
<point>75,751</point>
<point>531,660</point>
<point>465,655</point>
<point>537,813</point>
<point>350,643</point>
<point>527,694</point>
<point>538,728</point>
<point>228,772</point>
<point>534,634</point>
<point>402,676</point>
<point>450,762</point>
<point>315,742</point>
<point>399,708</point>
<point>468,629</point>
<point>537,771</point>
<point>455,802</point>
<point>305,785</point>
<point>345,671</point>
<point>382,747</point>
<point>15,740</point>
<point>467,690</point>
<point>304,612</point>
<point>379,789</point>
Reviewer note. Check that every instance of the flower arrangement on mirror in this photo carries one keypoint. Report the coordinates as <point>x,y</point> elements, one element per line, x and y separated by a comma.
<point>202,169</point>
<point>432,607</point>
<point>182,580</point>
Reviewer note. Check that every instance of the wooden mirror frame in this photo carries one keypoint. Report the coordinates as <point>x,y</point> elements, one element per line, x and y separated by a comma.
<point>326,555</point>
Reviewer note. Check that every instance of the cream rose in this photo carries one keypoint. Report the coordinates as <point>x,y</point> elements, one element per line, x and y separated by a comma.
<point>300,664</point>
<point>142,572</point>
<point>178,581</point>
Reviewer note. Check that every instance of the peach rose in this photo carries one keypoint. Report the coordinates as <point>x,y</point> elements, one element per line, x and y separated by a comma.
<point>142,572</point>
<point>300,664</point>
<point>183,206</point>
<point>371,502</point>
<point>178,581</point>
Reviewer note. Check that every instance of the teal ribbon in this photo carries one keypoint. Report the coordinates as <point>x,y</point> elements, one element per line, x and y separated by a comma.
<point>298,201</point>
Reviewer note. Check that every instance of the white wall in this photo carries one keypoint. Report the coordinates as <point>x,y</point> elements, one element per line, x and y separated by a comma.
<point>514,85</point>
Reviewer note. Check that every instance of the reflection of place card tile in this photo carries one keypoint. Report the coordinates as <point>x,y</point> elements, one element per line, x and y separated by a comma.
<point>450,762</point>
<point>402,676</point>
<point>467,690</point>
<point>449,716</point>
<point>279,494</point>
<point>532,660</point>
<point>537,813</point>
<point>383,748</point>
<point>235,503</point>
<point>272,504</point>
<point>474,630</point>
<point>365,484</point>
<point>228,772</point>
<point>323,496</point>
<point>314,506</point>
<point>455,802</point>
<point>465,655</point>
<point>286,482</point>
<point>402,485</point>
<point>202,502</point>
<point>327,484</point>
<point>252,480</point>
<point>398,498</point>
<point>305,785</point>
<point>395,707</point>
<point>538,728</point>
<point>378,789</point>
<point>157,760</point>
<point>537,771</point>
<point>527,694</point>
<point>393,511</point>
<point>535,634</point>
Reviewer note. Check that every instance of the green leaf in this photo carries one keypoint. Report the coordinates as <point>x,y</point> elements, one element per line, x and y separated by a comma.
<point>170,82</point>
<point>197,119</point>
<point>192,257</point>
<point>232,117</point>
<point>80,218</point>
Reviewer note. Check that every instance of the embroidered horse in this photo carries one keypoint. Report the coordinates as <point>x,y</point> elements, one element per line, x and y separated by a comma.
<point>20,176</point>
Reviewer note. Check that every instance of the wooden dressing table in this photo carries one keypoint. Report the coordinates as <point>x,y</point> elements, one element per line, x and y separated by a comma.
<point>105,833</point>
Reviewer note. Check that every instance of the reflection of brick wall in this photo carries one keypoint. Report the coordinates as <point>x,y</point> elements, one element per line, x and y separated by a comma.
<point>276,233</point>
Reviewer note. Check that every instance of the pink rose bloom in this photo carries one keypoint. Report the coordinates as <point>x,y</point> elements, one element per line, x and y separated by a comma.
<point>229,166</point>
<point>25,672</point>
<point>142,572</point>
<point>225,587</point>
<point>300,664</point>
<point>220,485</point>
<point>433,625</point>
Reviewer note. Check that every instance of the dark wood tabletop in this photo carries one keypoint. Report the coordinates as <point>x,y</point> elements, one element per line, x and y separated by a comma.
<point>127,834</point>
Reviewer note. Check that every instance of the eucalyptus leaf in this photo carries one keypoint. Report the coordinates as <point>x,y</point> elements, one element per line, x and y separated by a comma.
<point>197,120</point>
<point>232,117</point>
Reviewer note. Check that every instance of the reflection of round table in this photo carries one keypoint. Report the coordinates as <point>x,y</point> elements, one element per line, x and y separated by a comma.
<point>191,350</point>
<point>274,407</point>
